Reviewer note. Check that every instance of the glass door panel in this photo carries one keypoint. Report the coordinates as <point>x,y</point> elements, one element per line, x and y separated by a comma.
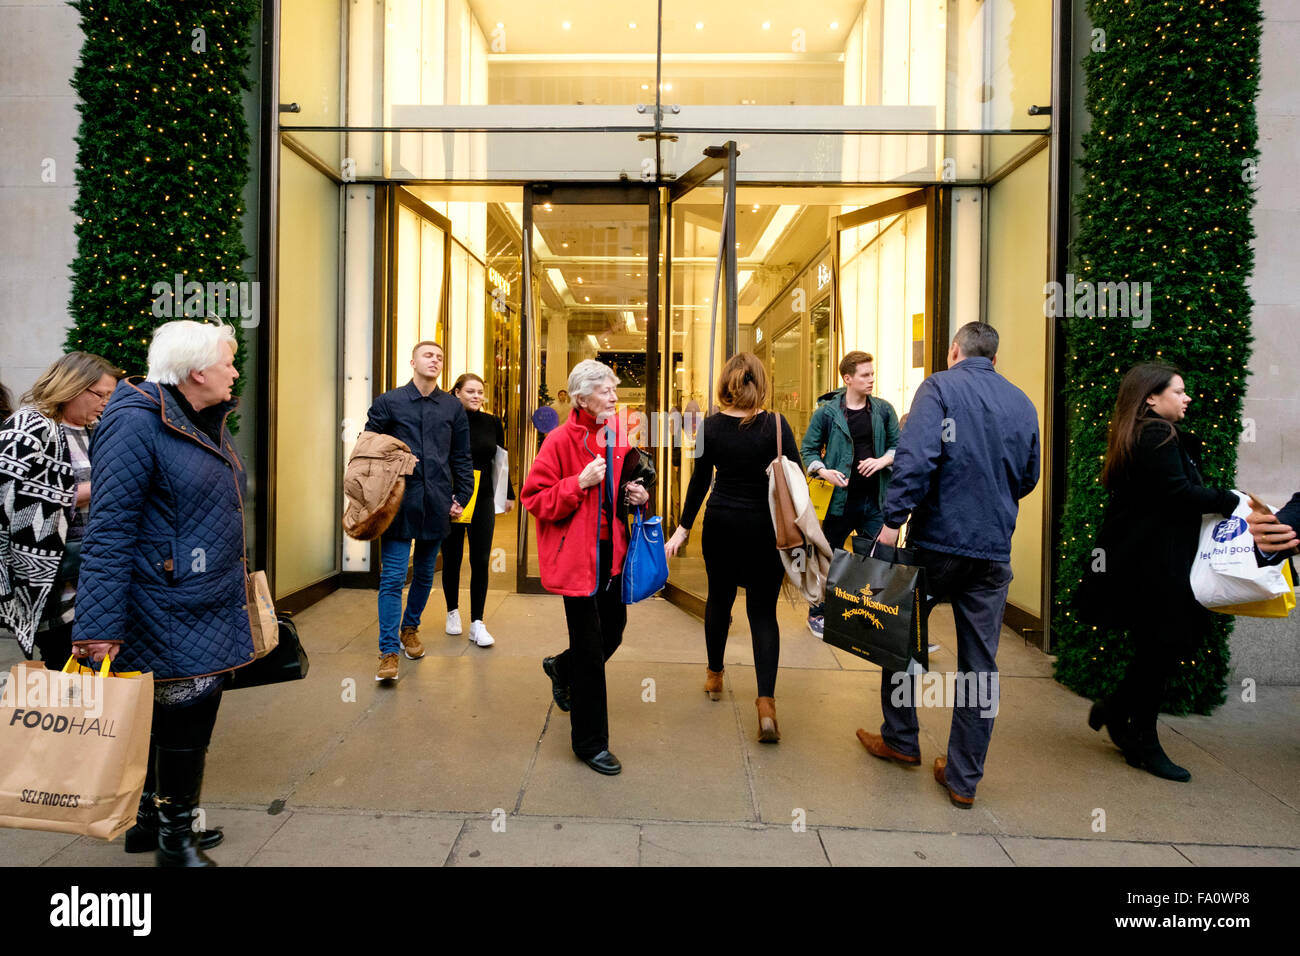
<point>590,298</point>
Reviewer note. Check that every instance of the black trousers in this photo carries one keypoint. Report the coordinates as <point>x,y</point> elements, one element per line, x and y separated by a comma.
<point>739,550</point>
<point>187,727</point>
<point>55,646</point>
<point>479,531</point>
<point>596,626</point>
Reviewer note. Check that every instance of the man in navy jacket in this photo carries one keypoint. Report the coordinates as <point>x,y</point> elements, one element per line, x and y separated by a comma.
<point>433,424</point>
<point>968,455</point>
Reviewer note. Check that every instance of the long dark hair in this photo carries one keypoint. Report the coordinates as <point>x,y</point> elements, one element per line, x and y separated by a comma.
<point>1131,415</point>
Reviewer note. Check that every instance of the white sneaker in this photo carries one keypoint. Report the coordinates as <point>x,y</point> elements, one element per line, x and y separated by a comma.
<point>453,622</point>
<point>479,634</point>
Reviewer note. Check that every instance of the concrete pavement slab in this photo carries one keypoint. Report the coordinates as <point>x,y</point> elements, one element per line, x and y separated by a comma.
<point>1028,851</point>
<point>820,767</point>
<point>681,845</point>
<point>1202,855</point>
<point>330,625</point>
<point>681,759</point>
<point>532,842</point>
<point>246,831</point>
<point>895,848</point>
<point>310,838</point>
<point>267,739</point>
<point>31,847</point>
<point>454,734</point>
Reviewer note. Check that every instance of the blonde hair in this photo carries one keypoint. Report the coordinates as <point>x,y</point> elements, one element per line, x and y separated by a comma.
<point>67,378</point>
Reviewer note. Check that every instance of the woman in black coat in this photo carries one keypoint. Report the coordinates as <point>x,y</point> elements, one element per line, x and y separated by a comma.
<point>1148,541</point>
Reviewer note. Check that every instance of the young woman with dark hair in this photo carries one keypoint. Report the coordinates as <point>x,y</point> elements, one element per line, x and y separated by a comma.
<point>738,541</point>
<point>486,434</point>
<point>1148,540</point>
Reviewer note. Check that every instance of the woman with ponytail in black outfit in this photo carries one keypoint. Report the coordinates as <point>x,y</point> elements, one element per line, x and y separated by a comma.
<point>486,433</point>
<point>739,542</point>
<point>1149,537</point>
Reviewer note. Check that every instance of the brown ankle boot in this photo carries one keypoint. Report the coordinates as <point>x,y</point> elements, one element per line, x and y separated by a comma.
<point>713,683</point>
<point>768,732</point>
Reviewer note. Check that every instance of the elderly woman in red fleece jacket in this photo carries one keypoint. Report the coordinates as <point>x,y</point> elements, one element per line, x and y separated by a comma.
<point>581,483</point>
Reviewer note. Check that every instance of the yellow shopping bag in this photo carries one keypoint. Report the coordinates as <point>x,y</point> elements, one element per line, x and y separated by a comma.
<point>1279,606</point>
<point>465,516</point>
<point>820,491</point>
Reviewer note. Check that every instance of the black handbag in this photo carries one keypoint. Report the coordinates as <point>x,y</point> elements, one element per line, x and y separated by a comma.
<point>287,661</point>
<point>875,605</point>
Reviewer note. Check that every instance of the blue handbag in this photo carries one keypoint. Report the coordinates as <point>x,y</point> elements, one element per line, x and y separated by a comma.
<point>645,568</point>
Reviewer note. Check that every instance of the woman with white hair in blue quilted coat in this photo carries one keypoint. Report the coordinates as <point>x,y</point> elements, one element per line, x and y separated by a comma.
<point>162,584</point>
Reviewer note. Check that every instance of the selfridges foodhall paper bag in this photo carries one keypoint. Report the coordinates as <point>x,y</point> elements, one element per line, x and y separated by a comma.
<point>73,749</point>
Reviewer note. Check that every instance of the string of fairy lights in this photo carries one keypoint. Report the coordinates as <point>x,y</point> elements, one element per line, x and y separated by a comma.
<point>162,162</point>
<point>1167,192</point>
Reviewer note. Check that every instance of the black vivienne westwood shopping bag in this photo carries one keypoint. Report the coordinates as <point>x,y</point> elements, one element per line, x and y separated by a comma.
<point>875,607</point>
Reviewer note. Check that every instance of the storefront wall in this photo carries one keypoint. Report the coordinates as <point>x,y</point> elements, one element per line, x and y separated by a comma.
<point>436,95</point>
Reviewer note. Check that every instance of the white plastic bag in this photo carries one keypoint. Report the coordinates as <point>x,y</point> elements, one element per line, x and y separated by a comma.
<point>501,477</point>
<point>1225,571</point>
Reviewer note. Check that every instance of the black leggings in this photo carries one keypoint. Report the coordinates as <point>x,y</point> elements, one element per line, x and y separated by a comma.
<point>739,550</point>
<point>480,531</point>
<point>187,727</point>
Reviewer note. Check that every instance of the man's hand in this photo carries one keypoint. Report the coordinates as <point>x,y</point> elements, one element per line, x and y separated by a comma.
<point>510,506</point>
<point>869,466</point>
<point>95,650</point>
<point>836,478</point>
<point>1271,535</point>
<point>888,536</point>
<point>457,509</point>
<point>593,474</point>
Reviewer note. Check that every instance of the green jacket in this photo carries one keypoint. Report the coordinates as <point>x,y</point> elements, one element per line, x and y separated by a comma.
<point>828,444</point>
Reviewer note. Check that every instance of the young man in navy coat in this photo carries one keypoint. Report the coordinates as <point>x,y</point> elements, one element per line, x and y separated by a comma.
<point>433,424</point>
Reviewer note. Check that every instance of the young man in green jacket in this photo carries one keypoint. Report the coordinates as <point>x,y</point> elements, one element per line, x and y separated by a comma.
<point>850,443</point>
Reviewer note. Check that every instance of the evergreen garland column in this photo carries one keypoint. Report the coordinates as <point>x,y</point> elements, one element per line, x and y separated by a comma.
<point>162,161</point>
<point>1168,173</point>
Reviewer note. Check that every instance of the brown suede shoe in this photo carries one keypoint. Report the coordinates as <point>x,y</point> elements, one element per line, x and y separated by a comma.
<point>713,683</point>
<point>877,747</point>
<point>768,731</point>
<point>387,667</point>
<point>411,645</point>
<point>958,801</point>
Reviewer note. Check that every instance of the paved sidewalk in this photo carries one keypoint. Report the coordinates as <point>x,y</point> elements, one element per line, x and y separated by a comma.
<point>465,761</point>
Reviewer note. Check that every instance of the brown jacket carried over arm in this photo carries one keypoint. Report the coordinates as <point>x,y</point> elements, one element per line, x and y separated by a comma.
<point>374,484</point>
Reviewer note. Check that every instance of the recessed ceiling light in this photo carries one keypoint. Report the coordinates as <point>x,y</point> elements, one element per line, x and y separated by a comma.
<point>668,86</point>
<point>586,298</point>
<point>579,280</point>
<point>755,207</point>
<point>566,24</point>
<point>699,24</point>
<point>767,25</point>
<point>631,26</point>
<point>645,86</point>
<point>564,245</point>
<point>500,26</point>
<point>835,24</point>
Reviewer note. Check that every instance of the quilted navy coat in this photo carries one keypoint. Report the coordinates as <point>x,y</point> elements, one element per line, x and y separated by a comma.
<point>163,569</point>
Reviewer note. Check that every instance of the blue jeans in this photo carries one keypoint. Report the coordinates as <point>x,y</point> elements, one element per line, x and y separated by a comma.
<point>978,591</point>
<point>392,576</point>
<point>859,517</point>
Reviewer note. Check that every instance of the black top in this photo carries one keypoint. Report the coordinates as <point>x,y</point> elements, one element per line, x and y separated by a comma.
<point>208,421</point>
<point>486,433</point>
<point>741,454</point>
<point>1150,532</point>
<point>859,422</point>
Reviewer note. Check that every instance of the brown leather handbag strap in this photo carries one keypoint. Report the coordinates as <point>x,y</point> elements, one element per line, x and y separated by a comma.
<point>788,534</point>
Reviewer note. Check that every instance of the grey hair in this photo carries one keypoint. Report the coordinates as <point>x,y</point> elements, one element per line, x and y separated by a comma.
<point>185,346</point>
<point>584,378</point>
<point>977,340</point>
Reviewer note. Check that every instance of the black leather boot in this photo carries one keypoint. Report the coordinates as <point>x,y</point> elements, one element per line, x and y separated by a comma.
<point>1147,754</point>
<point>180,779</point>
<point>143,837</point>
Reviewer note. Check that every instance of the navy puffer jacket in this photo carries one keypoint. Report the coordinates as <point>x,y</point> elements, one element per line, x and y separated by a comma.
<point>163,569</point>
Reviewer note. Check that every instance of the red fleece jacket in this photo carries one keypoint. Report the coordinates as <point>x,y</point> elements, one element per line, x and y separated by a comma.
<point>568,517</point>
